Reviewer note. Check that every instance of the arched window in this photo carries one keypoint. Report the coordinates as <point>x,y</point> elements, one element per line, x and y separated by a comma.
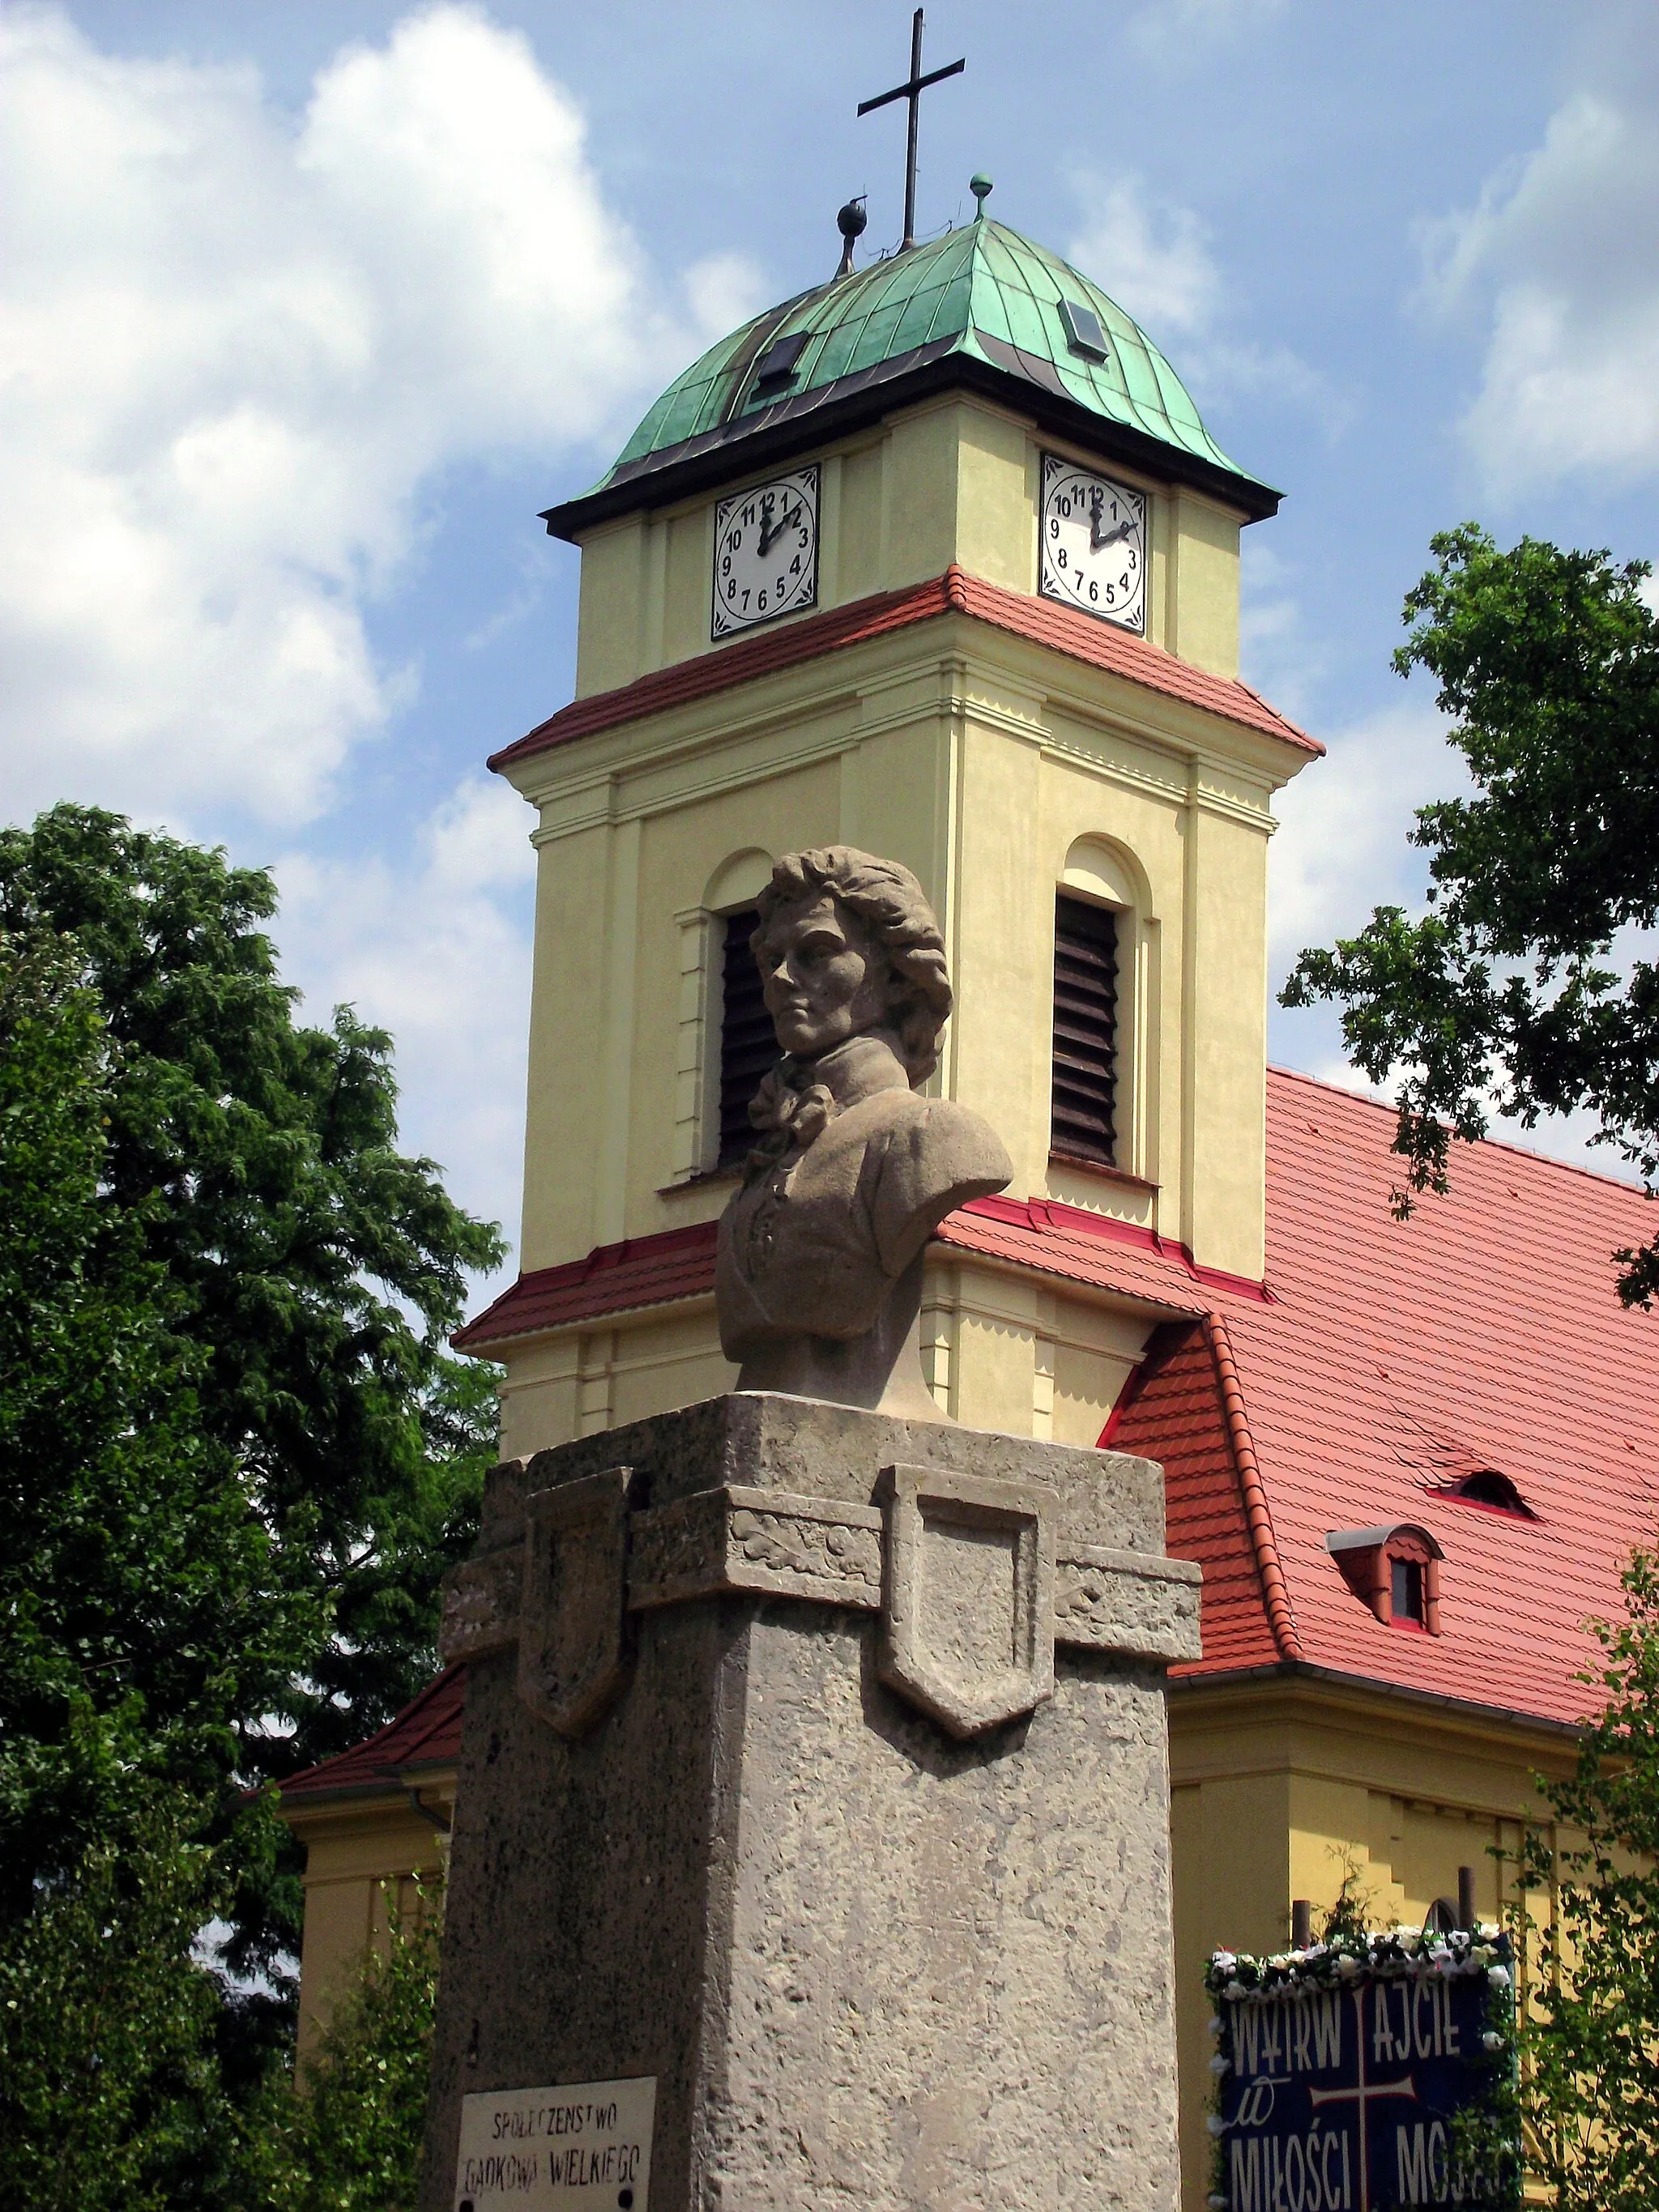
<point>748,1047</point>
<point>1097,990</point>
<point>726,1042</point>
<point>1085,1058</point>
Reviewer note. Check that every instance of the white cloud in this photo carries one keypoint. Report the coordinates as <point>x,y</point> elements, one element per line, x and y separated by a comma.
<point>1276,653</point>
<point>1342,846</point>
<point>1558,263</point>
<point>1155,258</point>
<point>236,348</point>
<point>434,946</point>
<point>1175,30</point>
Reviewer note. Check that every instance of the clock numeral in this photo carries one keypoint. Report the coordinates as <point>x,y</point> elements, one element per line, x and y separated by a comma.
<point>1094,591</point>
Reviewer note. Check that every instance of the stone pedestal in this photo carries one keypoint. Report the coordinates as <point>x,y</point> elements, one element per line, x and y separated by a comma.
<point>815,1765</point>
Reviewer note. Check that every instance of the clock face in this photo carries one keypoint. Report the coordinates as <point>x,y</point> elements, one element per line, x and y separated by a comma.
<point>766,552</point>
<point>1092,551</point>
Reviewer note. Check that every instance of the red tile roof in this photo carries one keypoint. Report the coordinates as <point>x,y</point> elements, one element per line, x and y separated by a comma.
<point>1040,1233</point>
<point>1091,1249</point>
<point>641,1271</point>
<point>1484,1332</point>
<point>1079,636</point>
<point>1380,1360</point>
<point>426,1734</point>
<point>1182,1423</point>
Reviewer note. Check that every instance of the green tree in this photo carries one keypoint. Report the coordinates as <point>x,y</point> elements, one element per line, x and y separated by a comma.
<point>139,1588</point>
<point>350,2139</point>
<point>110,2095</point>
<point>1589,2034</point>
<point>1547,663</point>
<point>233,1459</point>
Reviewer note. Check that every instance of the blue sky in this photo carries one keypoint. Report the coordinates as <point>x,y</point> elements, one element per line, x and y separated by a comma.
<point>310,306</point>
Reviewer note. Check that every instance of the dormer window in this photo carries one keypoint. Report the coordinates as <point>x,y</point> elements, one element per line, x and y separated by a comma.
<point>1393,1570</point>
<point>1407,1586</point>
<point>1489,1488</point>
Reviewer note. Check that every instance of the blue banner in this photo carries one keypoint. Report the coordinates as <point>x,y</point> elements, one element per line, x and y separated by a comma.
<point>1341,2096</point>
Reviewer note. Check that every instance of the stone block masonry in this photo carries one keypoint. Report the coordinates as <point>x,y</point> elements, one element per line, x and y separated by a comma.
<point>814,1770</point>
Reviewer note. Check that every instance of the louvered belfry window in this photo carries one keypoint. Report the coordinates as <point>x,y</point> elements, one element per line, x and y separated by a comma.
<point>748,1047</point>
<point>1086,1029</point>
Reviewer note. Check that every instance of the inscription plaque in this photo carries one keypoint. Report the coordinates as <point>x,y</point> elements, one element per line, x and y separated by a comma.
<point>578,2148</point>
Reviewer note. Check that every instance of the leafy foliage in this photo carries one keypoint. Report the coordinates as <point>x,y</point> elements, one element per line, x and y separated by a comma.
<point>138,1585</point>
<point>350,2141</point>
<point>1589,2036</point>
<point>1547,663</point>
<point>112,2097</point>
<point>235,1462</point>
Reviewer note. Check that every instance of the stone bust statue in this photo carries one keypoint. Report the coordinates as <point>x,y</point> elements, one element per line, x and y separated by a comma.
<point>818,1278</point>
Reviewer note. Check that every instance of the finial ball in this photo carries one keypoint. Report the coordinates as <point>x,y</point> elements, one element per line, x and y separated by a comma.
<point>851,219</point>
<point>980,187</point>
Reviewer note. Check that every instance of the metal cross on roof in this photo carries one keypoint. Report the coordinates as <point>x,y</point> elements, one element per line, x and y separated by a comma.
<point>912,90</point>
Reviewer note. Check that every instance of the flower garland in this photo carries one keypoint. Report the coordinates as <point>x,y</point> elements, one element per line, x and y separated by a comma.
<point>1340,1962</point>
<point>1490,2133</point>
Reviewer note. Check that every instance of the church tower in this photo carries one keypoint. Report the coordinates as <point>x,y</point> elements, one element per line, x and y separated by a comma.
<point>936,559</point>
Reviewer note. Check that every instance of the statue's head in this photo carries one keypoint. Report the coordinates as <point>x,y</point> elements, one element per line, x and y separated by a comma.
<point>847,944</point>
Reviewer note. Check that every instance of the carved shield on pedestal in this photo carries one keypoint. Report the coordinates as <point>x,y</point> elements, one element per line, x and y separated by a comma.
<point>967,1604</point>
<point>572,1655</point>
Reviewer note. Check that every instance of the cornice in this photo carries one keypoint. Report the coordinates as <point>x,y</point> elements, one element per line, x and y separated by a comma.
<point>1062,633</point>
<point>582,797</point>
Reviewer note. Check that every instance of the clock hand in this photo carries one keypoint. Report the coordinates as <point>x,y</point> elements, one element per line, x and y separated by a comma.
<point>771,531</point>
<point>1100,540</point>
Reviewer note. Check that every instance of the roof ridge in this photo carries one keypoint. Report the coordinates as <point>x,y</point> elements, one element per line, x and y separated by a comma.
<point>1477,1143</point>
<point>1258,1516</point>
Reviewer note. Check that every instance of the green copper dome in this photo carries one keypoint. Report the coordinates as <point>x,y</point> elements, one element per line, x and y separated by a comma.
<point>981,306</point>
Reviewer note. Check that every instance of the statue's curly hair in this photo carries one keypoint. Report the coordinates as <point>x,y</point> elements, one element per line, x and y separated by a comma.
<point>887,897</point>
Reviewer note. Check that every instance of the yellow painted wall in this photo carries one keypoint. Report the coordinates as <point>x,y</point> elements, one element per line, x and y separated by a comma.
<point>997,770</point>
<point>955,479</point>
<point>362,1854</point>
<point>1278,1788</point>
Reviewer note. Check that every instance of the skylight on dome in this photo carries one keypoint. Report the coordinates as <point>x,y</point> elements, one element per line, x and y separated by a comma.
<point>777,364</point>
<point>1082,331</point>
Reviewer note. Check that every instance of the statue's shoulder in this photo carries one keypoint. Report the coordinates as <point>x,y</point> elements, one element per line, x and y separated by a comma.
<point>929,1144</point>
<point>964,1141</point>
